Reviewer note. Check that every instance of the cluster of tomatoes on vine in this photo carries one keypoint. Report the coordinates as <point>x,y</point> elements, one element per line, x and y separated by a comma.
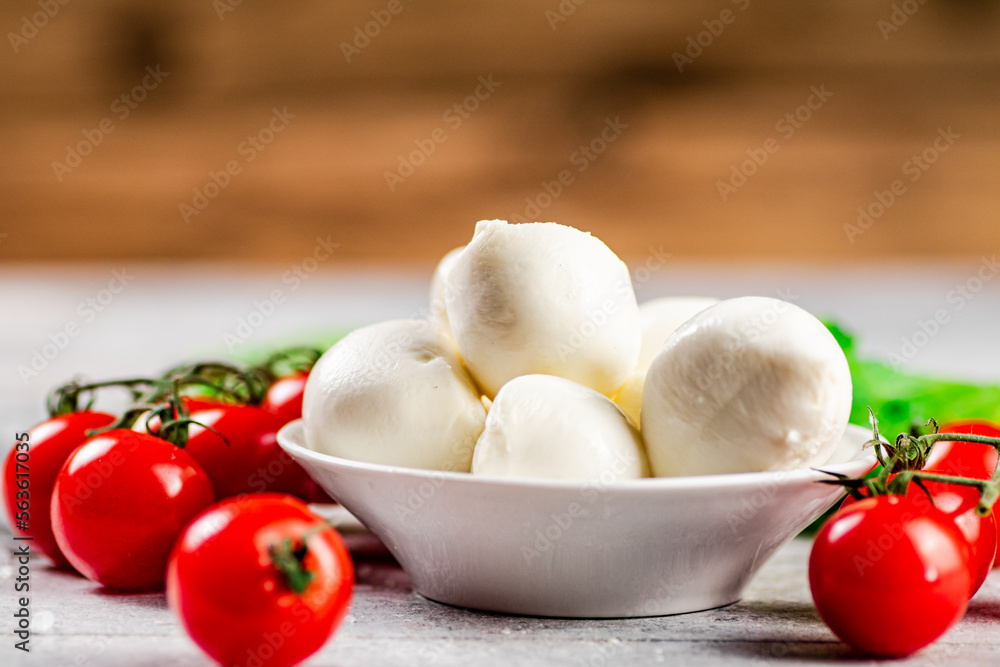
<point>894,568</point>
<point>189,490</point>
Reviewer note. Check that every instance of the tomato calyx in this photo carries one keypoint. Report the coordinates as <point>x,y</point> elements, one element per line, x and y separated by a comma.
<point>243,386</point>
<point>289,361</point>
<point>172,418</point>
<point>289,559</point>
<point>67,398</point>
<point>902,463</point>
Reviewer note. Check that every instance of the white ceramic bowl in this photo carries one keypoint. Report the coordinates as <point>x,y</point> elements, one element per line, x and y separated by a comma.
<point>644,547</point>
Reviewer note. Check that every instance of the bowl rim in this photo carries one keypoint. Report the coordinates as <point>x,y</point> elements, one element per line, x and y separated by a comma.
<point>292,433</point>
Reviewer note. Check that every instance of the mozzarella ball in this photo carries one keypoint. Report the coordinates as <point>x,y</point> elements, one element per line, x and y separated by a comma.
<point>542,426</point>
<point>659,318</point>
<point>394,393</point>
<point>543,298</point>
<point>750,384</point>
<point>442,290</point>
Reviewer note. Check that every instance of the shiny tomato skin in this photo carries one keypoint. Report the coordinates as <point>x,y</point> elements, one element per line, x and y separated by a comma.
<point>965,459</point>
<point>889,577</point>
<point>49,445</point>
<point>119,503</point>
<point>980,532</point>
<point>232,600</point>
<point>252,461</point>
<point>284,396</point>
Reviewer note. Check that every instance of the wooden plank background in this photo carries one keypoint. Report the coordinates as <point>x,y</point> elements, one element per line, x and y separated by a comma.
<point>894,88</point>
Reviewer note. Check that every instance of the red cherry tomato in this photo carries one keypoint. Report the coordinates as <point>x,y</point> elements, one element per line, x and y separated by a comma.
<point>888,576</point>
<point>235,598</point>
<point>252,461</point>
<point>119,503</point>
<point>30,473</point>
<point>284,397</point>
<point>979,532</point>
<point>966,459</point>
<point>249,460</point>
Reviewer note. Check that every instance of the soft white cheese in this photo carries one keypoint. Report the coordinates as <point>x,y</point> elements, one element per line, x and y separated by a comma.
<point>659,318</point>
<point>542,426</point>
<point>442,290</point>
<point>394,393</point>
<point>750,384</point>
<point>543,298</point>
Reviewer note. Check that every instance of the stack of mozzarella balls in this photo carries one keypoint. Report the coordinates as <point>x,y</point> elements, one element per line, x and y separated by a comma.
<point>537,362</point>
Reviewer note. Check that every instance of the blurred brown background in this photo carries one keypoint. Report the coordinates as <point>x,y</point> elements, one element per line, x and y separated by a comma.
<point>684,92</point>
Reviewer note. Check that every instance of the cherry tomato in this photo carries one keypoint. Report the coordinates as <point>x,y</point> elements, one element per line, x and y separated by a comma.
<point>242,603</point>
<point>119,503</point>
<point>252,461</point>
<point>284,397</point>
<point>980,532</point>
<point>249,460</point>
<point>966,459</point>
<point>889,576</point>
<point>30,473</point>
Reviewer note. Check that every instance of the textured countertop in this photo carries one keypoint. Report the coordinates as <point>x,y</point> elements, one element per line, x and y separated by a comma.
<point>166,313</point>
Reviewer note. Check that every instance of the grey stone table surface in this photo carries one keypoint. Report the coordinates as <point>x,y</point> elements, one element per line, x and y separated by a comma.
<point>77,623</point>
<point>148,316</point>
